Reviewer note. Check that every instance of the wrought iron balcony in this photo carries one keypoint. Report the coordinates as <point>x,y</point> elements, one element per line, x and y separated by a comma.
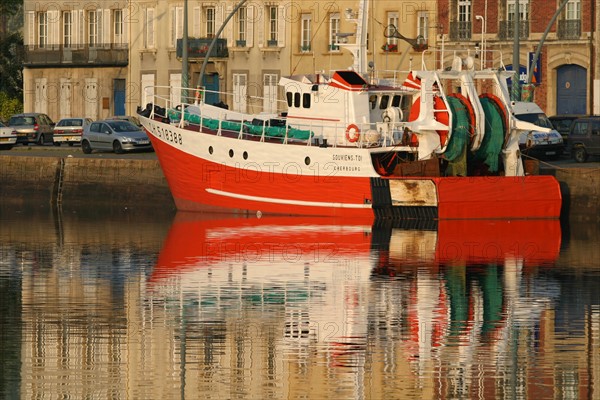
<point>507,30</point>
<point>569,29</point>
<point>105,54</point>
<point>460,30</point>
<point>197,48</point>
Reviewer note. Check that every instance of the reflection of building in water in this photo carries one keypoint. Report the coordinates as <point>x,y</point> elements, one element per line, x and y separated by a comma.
<point>374,314</point>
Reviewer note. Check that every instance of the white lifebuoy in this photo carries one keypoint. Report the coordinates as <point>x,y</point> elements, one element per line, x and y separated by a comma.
<point>352,138</point>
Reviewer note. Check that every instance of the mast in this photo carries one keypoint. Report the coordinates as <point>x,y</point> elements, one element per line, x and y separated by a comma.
<point>359,48</point>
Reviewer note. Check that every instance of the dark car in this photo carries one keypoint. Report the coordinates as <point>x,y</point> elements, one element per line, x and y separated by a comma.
<point>562,123</point>
<point>32,128</point>
<point>584,138</point>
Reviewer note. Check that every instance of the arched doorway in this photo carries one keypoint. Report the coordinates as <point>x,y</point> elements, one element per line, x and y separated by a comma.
<point>571,89</point>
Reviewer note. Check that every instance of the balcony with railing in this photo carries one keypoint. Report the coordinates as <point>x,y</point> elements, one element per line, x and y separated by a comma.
<point>460,30</point>
<point>198,48</point>
<point>507,30</point>
<point>105,54</point>
<point>569,29</point>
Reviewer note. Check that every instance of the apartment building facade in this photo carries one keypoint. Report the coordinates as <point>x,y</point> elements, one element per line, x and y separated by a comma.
<point>567,76</point>
<point>93,58</point>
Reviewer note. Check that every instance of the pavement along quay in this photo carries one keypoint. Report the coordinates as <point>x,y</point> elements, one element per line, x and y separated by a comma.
<point>49,175</point>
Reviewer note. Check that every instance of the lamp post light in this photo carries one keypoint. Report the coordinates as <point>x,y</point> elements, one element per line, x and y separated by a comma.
<point>482,39</point>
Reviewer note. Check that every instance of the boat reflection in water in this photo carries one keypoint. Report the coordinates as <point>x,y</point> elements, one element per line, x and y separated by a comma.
<point>356,307</point>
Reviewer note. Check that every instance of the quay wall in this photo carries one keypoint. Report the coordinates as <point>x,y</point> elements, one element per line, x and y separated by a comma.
<point>84,183</point>
<point>87,183</point>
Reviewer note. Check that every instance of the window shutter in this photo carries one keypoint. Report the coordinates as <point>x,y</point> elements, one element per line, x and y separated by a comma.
<point>250,26</point>
<point>173,34</point>
<point>179,19</point>
<point>150,28</point>
<point>53,29</point>
<point>126,22</point>
<point>228,32</point>
<point>81,30</point>
<point>31,29</point>
<point>261,30</point>
<point>106,37</point>
<point>281,26</point>
<point>196,22</point>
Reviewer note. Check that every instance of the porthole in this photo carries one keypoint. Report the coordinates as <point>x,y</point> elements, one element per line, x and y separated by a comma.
<point>245,155</point>
<point>230,153</point>
<point>307,161</point>
<point>210,150</point>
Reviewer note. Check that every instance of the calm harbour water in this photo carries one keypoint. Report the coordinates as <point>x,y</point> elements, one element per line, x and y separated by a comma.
<point>127,306</point>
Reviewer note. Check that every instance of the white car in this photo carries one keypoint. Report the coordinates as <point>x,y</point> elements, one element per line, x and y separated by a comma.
<point>542,142</point>
<point>8,137</point>
<point>69,130</point>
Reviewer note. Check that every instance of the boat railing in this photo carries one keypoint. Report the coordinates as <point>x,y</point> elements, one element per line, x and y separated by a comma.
<point>185,112</point>
<point>475,59</point>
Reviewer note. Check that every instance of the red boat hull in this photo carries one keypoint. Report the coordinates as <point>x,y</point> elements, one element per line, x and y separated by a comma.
<point>201,185</point>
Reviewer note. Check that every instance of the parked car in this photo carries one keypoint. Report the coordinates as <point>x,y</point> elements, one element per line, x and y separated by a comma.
<point>562,123</point>
<point>584,138</point>
<point>129,118</point>
<point>32,128</point>
<point>8,137</point>
<point>538,144</point>
<point>69,130</point>
<point>116,135</point>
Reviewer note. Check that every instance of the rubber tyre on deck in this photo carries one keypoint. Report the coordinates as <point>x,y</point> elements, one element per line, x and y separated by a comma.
<point>580,155</point>
<point>117,147</point>
<point>85,147</point>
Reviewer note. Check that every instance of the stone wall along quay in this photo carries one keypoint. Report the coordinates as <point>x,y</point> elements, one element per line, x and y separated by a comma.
<point>84,183</point>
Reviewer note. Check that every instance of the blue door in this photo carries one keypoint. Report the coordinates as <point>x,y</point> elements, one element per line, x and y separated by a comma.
<point>211,83</point>
<point>119,96</point>
<point>571,95</point>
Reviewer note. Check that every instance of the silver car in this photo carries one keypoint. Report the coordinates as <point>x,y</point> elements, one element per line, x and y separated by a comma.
<point>69,130</point>
<point>114,135</point>
<point>8,137</point>
<point>32,128</point>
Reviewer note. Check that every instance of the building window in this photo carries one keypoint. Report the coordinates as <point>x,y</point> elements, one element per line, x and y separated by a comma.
<point>392,24</point>
<point>118,37</point>
<point>523,10</point>
<point>176,25</point>
<point>67,29</point>
<point>92,28</point>
<point>573,10</point>
<point>42,29</point>
<point>149,28</point>
<point>270,93</point>
<point>422,25</point>
<point>210,17</point>
<point>334,29</point>
<point>273,34</point>
<point>241,19</point>
<point>305,32</point>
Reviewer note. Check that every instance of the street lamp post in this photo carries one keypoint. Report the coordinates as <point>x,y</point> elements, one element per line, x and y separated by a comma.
<point>482,39</point>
